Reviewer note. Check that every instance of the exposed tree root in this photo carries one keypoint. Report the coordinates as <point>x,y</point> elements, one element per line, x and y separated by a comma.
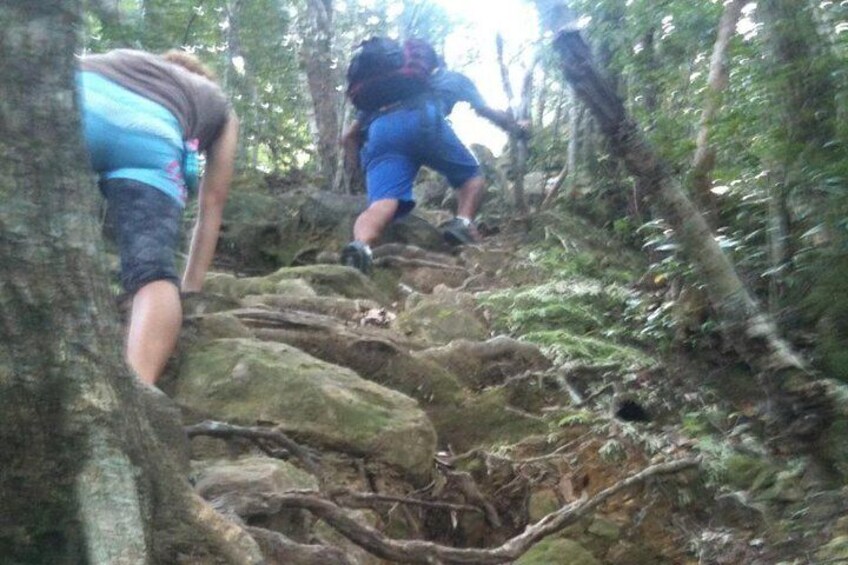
<point>258,434</point>
<point>281,549</point>
<point>368,500</point>
<point>417,551</point>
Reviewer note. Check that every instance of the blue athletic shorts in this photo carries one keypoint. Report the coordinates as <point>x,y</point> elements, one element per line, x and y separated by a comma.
<point>400,142</point>
<point>132,137</point>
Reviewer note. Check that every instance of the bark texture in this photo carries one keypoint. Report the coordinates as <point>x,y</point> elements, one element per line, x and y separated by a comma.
<point>82,479</point>
<point>323,78</point>
<point>704,159</point>
<point>517,147</point>
<point>744,323</point>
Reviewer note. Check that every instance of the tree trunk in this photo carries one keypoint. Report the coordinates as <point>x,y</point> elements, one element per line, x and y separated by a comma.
<point>323,80</point>
<point>804,102</point>
<point>744,323</point>
<point>780,253</point>
<point>245,82</point>
<point>517,147</point>
<point>83,480</point>
<point>704,160</point>
<point>574,141</point>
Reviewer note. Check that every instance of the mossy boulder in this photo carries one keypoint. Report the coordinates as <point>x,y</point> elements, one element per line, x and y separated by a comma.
<point>558,550</point>
<point>330,280</point>
<point>233,287</point>
<point>483,419</point>
<point>487,363</point>
<point>442,317</point>
<point>257,230</point>
<point>414,230</point>
<point>835,551</point>
<point>338,307</point>
<point>543,502</point>
<point>243,381</point>
<point>246,487</point>
<point>214,326</point>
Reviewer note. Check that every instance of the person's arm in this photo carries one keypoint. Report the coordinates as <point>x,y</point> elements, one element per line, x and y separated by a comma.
<point>504,120</point>
<point>500,118</point>
<point>214,188</point>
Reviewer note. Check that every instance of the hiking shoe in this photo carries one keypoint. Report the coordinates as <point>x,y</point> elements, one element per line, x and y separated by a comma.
<point>459,232</point>
<point>357,255</point>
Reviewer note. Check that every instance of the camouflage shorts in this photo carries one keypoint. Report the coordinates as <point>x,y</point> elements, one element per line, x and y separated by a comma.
<point>145,223</point>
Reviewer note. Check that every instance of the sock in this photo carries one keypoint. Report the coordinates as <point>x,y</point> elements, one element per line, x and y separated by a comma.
<point>365,247</point>
<point>465,221</point>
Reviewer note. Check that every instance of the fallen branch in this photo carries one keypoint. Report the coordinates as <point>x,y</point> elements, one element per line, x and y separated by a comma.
<point>418,551</point>
<point>556,452</point>
<point>558,183</point>
<point>283,550</point>
<point>524,414</point>
<point>223,430</point>
<point>367,498</point>
<point>466,484</point>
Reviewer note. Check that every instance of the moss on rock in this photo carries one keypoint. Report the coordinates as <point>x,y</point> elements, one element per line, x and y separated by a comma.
<point>238,287</point>
<point>442,317</point>
<point>244,381</point>
<point>558,550</point>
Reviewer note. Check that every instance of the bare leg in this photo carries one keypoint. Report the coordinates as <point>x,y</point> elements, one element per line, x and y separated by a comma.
<point>469,197</point>
<point>154,328</point>
<point>370,224</point>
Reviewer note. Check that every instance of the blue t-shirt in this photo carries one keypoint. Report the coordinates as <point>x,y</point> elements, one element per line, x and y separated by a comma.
<point>451,87</point>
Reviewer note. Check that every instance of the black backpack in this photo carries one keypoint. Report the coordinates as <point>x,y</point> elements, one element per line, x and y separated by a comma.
<point>384,71</point>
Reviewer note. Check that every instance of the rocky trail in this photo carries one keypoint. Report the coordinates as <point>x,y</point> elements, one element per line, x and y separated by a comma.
<point>398,418</point>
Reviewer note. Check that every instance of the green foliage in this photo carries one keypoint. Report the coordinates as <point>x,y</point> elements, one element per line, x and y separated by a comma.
<point>578,418</point>
<point>264,86</point>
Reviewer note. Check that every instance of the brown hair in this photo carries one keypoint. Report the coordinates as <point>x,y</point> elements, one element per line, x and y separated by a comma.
<point>189,62</point>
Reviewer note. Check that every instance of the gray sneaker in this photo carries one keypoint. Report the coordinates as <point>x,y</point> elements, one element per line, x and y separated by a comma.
<point>357,255</point>
<point>456,232</point>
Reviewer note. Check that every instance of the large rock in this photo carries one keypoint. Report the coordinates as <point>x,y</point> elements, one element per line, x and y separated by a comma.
<point>488,363</point>
<point>558,550</point>
<point>337,307</point>
<point>414,230</point>
<point>244,382</point>
<point>302,282</point>
<point>246,487</point>
<point>431,192</point>
<point>442,317</point>
<point>257,232</point>
<point>235,288</point>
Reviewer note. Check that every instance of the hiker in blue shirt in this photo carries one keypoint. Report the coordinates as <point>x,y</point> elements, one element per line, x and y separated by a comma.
<point>393,143</point>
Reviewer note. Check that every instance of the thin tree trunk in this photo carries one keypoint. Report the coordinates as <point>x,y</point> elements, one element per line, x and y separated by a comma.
<point>780,253</point>
<point>542,101</point>
<point>574,134</point>
<point>704,160</point>
<point>744,323</point>
<point>804,101</point>
<point>245,81</point>
<point>82,480</point>
<point>517,153</point>
<point>322,79</point>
